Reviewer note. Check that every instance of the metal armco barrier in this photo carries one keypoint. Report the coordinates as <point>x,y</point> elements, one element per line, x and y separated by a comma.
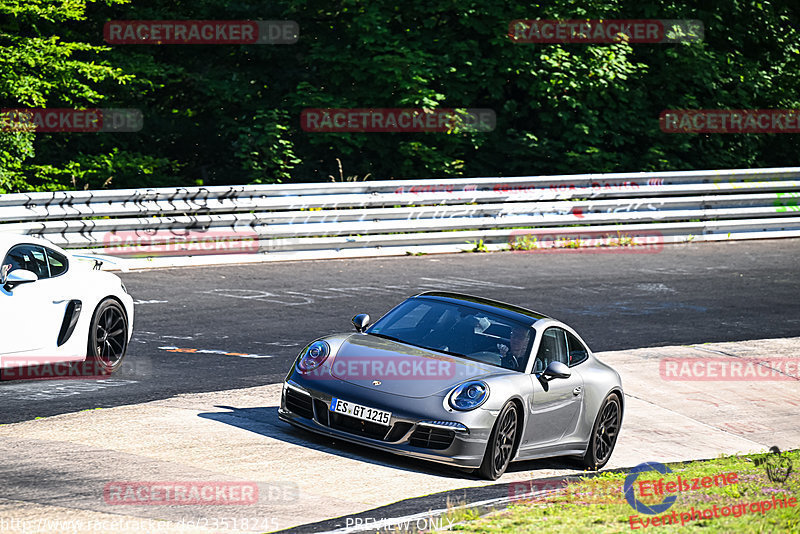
<point>181,226</point>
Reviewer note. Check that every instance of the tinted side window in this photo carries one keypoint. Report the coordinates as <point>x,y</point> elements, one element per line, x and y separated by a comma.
<point>577,351</point>
<point>552,349</point>
<point>58,262</point>
<point>29,257</point>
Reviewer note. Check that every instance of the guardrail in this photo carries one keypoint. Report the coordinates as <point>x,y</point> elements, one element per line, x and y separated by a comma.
<point>174,226</point>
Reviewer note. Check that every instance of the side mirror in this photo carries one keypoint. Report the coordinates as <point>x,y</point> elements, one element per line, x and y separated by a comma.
<point>556,370</point>
<point>361,321</point>
<point>17,277</point>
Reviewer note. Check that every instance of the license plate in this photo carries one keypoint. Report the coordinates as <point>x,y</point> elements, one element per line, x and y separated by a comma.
<point>360,412</point>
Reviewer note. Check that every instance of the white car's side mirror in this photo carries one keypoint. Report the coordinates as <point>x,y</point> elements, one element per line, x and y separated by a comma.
<point>17,277</point>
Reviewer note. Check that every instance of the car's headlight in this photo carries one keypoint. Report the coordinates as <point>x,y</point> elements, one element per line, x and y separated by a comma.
<point>469,395</point>
<point>125,289</point>
<point>313,356</point>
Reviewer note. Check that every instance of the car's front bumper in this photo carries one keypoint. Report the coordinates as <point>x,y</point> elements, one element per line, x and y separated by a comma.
<point>407,434</point>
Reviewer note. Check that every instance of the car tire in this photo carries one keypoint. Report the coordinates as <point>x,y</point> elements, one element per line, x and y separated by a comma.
<point>604,434</point>
<point>500,447</point>
<point>108,337</point>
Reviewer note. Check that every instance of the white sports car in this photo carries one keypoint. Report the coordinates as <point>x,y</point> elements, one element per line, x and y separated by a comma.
<point>56,308</point>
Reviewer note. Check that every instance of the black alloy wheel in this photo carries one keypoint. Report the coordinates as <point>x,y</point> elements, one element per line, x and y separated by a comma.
<point>500,448</point>
<point>108,336</point>
<point>604,434</point>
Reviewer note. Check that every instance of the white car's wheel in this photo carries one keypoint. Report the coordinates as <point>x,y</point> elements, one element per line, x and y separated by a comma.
<point>108,336</point>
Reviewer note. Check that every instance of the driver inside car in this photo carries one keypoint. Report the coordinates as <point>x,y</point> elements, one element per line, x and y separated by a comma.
<point>514,357</point>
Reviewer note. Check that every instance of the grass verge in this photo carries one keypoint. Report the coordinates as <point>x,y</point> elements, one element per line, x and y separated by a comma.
<point>598,504</point>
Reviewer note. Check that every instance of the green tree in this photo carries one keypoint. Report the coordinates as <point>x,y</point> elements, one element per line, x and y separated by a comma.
<point>39,68</point>
<point>230,114</point>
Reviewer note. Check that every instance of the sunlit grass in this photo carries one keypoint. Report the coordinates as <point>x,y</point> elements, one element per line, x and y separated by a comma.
<point>598,504</point>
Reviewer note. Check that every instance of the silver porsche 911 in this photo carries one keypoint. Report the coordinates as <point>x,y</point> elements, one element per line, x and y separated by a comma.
<point>460,380</point>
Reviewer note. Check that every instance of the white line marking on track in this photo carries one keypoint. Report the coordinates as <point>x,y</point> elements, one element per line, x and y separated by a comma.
<point>468,282</point>
<point>299,298</point>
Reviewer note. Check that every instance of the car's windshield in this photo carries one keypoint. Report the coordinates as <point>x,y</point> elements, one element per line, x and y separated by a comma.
<point>460,330</point>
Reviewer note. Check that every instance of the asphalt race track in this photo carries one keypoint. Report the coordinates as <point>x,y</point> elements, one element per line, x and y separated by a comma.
<point>196,399</point>
<point>228,327</point>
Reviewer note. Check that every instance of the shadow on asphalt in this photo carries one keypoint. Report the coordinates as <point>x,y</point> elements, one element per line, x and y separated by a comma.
<point>264,421</point>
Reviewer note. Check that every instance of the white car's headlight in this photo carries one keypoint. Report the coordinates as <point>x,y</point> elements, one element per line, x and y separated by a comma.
<point>125,289</point>
<point>469,395</point>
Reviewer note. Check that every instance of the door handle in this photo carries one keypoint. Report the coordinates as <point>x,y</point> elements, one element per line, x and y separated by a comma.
<point>577,390</point>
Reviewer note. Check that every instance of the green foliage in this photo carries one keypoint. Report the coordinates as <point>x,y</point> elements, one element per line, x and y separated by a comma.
<point>39,67</point>
<point>15,147</point>
<point>98,171</point>
<point>524,242</point>
<point>480,246</point>
<point>264,149</point>
<point>230,114</point>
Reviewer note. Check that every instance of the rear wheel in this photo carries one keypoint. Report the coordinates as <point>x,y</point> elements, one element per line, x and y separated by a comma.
<point>604,434</point>
<point>108,337</point>
<point>501,444</point>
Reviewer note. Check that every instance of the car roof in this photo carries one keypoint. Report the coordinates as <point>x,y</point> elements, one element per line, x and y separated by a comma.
<point>8,240</point>
<point>509,310</point>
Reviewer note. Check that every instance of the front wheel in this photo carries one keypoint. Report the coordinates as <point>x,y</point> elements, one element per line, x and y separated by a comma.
<point>501,444</point>
<point>604,434</point>
<point>108,336</point>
